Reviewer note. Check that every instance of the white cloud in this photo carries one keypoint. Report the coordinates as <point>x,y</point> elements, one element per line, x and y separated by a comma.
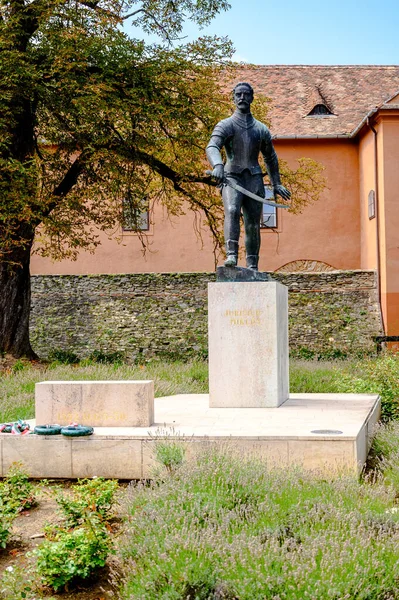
<point>238,58</point>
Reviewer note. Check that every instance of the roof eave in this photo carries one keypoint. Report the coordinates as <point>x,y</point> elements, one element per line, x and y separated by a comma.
<point>310,136</point>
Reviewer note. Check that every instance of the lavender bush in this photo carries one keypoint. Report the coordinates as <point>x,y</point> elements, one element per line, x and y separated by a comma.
<point>223,526</point>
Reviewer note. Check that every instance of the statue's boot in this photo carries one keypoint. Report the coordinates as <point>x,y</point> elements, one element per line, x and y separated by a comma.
<point>232,253</point>
<point>252,261</point>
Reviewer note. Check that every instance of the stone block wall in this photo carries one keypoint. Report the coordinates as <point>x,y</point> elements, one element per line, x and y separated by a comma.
<point>165,315</point>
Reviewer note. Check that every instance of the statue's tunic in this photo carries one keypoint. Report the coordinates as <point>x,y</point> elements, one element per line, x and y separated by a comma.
<point>243,138</point>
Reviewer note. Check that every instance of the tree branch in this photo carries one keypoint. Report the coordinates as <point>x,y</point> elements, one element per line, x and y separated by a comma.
<point>132,14</point>
<point>65,185</point>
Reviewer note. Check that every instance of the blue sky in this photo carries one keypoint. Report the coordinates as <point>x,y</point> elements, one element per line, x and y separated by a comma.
<point>309,31</point>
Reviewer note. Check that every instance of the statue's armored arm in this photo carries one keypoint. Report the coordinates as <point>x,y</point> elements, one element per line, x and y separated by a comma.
<point>216,143</point>
<point>213,153</point>
<point>271,160</point>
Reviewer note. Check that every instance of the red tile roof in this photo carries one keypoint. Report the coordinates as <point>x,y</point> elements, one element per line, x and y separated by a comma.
<point>350,92</point>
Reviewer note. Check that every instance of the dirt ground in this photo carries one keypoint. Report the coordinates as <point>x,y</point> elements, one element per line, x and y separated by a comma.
<point>7,363</point>
<point>27,534</point>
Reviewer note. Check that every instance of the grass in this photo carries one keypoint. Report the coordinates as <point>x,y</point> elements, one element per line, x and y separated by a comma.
<point>222,526</point>
<point>226,526</point>
<point>372,375</point>
<point>17,388</point>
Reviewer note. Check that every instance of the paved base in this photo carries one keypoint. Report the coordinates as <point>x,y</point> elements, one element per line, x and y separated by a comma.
<point>283,436</point>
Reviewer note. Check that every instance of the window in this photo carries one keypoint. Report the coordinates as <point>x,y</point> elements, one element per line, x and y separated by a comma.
<point>320,110</point>
<point>371,204</point>
<point>134,219</point>
<point>269,213</point>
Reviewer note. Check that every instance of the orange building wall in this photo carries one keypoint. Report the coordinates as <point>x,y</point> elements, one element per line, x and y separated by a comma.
<point>388,146</point>
<point>327,231</point>
<point>367,182</point>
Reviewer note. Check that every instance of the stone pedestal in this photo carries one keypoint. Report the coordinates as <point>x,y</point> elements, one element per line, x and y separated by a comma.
<point>248,344</point>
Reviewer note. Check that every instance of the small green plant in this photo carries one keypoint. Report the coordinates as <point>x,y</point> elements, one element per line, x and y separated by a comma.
<point>6,521</point>
<point>16,491</point>
<point>19,365</point>
<point>169,449</point>
<point>18,583</point>
<point>95,495</point>
<point>107,358</point>
<point>65,357</point>
<point>73,554</point>
<point>16,494</point>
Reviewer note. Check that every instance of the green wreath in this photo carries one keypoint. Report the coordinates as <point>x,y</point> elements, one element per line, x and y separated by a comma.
<point>77,430</point>
<point>47,429</point>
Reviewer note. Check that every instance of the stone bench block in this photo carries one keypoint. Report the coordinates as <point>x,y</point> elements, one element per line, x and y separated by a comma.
<point>95,403</point>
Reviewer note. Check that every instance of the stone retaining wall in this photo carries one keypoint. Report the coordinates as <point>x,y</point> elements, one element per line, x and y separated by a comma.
<point>143,315</point>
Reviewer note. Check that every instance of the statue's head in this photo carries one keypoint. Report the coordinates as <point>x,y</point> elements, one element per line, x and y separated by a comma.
<point>243,95</point>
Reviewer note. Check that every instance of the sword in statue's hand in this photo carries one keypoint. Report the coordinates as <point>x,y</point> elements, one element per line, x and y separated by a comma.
<point>239,188</point>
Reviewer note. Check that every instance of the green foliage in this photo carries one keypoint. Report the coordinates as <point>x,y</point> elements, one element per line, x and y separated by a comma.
<point>384,455</point>
<point>375,376</point>
<point>18,583</point>
<point>16,494</point>
<point>73,554</point>
<point>6,521</point>
<point>81,545</point>
<point>107,358</point>
<point>19,365</point>
<point>16,491</point>
<point>226,526</point>
<point>89,496</point>
<point>120,119</point>
<point>169,450</point>
<point>64,357</point>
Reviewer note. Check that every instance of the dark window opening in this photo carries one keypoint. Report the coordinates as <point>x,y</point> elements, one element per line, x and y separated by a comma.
<point>133,218</point>
<point>269,213</point>
<point>320,110</point>
<point>371,204</point>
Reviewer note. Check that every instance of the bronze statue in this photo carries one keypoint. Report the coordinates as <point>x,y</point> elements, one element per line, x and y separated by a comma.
<point>243,137</point>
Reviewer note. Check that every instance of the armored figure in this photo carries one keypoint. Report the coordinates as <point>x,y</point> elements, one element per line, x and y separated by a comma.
<point>243,137</point>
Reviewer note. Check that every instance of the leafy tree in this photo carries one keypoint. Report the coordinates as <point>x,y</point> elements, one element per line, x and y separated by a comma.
<point>89,116</point>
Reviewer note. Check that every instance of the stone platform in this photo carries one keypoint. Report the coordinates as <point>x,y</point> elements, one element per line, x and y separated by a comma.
<point>328,432</point>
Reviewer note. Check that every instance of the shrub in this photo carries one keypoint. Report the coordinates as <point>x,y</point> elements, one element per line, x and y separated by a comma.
<point>375,376</point>
<point>16,494</point>
<point>18,583</point>
<point>16,490</point>
<point>169,450</point>
<point>107,358</point>
<point>72,554</point>
<point>95,495</point>
<point>6,520</point>
<point>65,357</point>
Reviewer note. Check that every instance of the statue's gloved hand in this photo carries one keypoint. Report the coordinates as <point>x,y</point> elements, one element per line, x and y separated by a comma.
<point>218,173</point>
<point>280,190</point>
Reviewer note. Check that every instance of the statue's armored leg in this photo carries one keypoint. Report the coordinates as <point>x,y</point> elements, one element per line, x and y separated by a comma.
<point>231,253</point>
<point>232,210</point>
<point>252,261</point>
<point>252,211</point>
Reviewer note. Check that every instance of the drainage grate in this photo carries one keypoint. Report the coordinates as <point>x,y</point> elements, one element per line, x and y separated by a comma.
<point>327,431</point>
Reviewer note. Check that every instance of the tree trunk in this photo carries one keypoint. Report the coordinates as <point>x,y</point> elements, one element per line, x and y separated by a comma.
<point>15,295</point>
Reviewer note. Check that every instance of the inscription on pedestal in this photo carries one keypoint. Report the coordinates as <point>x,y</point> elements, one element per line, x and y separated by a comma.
<point>244,317</point>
